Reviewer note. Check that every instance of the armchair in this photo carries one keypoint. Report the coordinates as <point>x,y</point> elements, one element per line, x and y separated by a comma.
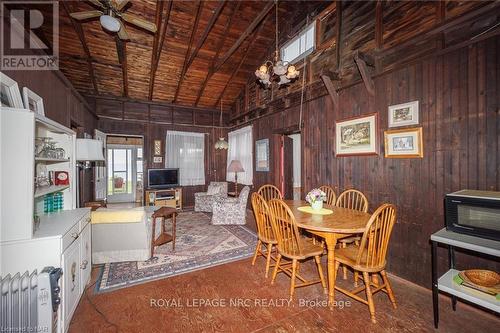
<point>231,210</point>
<point>203,201</point>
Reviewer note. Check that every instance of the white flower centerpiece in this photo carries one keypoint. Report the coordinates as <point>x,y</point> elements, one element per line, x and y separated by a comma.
<point>315,198</point>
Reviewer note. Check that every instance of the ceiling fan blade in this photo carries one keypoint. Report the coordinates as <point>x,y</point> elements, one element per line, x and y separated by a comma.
<point>139,22</point>
<point>97,3</point>
<point>86,15</point>
<point>120,4</point>
<point>122,33</point>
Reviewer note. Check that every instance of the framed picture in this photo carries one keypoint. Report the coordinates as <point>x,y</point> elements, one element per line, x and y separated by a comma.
<point>157,159</point>
<point>356,136</point>
<point>157,147</point>
<point>404,143</point>
<point>403,114</point>
<point>33,102</point>
<point>325,27</point>
<point>10,96</point>
<point>262,155</point>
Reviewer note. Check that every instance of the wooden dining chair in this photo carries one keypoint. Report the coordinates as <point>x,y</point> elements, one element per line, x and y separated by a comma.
<point>369,257</point>
<point>264,230</point>
<point>291,246</point>
<point>352,199</point>
<point>331,196</point>
<point>269,192</point>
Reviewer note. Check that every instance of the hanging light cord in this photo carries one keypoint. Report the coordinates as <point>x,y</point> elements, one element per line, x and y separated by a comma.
<point>303,84</point>
<point>276,31</point>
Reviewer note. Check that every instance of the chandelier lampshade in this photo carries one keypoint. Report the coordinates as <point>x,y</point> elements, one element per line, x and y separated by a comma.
<point>278,71</point>
<point>221,144</point>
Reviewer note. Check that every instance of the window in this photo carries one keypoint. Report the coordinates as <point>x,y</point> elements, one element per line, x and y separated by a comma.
<point>186,151</point>
<point>241,148</point>
<point>300,46</point>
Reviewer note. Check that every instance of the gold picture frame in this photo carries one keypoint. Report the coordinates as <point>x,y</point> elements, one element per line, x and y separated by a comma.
<point>356,136</point>
<point>157,147</point>
<point>404,143</point>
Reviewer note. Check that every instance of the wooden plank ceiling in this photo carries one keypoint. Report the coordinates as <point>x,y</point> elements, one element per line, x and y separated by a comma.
<point>203,51</point>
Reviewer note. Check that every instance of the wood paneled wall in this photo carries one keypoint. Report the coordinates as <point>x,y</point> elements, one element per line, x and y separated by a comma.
<point>153,120</point>
<point>459,100</point>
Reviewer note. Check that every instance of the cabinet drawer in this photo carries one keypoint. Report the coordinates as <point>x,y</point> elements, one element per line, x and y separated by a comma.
<point>70,236</point>
<point>84,221</point>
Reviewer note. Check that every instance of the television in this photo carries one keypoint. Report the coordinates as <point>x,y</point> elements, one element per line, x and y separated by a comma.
<point>163,178</point>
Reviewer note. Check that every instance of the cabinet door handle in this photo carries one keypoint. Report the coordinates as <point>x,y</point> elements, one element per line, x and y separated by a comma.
<point>75,235</point>
<point>84,264</point>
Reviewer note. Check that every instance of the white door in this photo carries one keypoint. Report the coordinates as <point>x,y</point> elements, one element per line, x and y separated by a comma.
<point>122,174</point>
<point>100,169</point>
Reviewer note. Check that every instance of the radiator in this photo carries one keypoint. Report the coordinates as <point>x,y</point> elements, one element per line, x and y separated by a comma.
<point>29,302</point>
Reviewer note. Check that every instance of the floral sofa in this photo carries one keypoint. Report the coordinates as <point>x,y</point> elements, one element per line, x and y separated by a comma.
<point>231,210</point>
<point>203,201</point>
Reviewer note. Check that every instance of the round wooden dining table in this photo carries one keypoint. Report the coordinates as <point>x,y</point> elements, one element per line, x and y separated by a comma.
<point>341,223</point>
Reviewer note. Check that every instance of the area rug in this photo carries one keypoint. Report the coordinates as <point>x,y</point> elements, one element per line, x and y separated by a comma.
<point>198,245</point>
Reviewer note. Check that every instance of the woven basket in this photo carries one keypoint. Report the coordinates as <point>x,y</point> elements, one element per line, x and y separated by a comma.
<point>482,277</point>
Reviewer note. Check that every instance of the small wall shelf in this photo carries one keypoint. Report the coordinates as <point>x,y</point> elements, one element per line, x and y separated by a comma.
<point>44,190</point>
<point>51,160</point>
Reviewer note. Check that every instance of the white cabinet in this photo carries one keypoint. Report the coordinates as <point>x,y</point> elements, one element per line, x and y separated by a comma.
<point>63,238</point>
<point>71,281</point>
<point>86,257</point>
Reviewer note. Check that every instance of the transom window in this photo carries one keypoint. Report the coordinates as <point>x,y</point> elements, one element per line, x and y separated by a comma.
<point>300,46</point>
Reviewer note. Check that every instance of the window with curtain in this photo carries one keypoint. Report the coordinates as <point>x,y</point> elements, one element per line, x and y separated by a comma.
<point>186,151</point>
<point>241,148</point>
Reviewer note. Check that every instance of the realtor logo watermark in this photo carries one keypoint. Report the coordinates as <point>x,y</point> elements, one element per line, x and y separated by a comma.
<point>29,35</point>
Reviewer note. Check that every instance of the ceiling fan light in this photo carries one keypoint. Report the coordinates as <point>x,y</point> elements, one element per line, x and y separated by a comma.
<point>110,23</point>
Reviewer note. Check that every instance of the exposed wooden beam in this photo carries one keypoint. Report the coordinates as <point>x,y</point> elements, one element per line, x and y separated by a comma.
<point>379,25</point>
<point>338,33</point>
<point>237,68</point>
<point>331,90</point>
<point>365,73</point>
<point>156,41</point>
<point>205,33</point>
<point>121,49</point>
<point>79,31</point>
<point>211,71</point>
<point>193,31</point>
<point>258,19</point>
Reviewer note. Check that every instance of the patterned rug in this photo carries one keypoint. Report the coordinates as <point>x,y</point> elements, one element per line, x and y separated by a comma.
<point>198,245</point>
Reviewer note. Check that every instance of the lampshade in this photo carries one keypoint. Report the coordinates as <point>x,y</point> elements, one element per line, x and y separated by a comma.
<point>221,144</point>
<point>89,150</point>
<point>235,166</point>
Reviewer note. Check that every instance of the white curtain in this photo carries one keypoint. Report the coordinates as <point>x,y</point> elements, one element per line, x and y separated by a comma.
<point>241,148</point>
<point>186,151</point>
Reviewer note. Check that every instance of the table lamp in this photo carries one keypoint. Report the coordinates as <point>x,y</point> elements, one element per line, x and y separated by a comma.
<point>235,166</point>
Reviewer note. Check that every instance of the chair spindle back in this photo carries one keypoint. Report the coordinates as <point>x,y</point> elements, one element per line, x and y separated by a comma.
<point>262,215</point>
<point>375,240</point>
<point>331,196</point>
<point>353,199</point>
<point>285,228</point>
<point>269,192</point>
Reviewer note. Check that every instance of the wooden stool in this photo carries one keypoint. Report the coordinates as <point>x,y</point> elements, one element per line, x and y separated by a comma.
<point>163,213</point>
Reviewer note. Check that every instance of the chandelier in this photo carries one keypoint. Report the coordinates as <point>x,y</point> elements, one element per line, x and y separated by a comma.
<point>279,71</point>
<point>221,143</point>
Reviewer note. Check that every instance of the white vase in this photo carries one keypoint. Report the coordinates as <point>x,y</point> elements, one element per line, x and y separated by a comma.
<point>317,205</point>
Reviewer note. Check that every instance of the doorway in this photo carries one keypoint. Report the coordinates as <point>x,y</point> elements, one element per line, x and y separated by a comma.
<point>124,169</point>
<point>290,166</point>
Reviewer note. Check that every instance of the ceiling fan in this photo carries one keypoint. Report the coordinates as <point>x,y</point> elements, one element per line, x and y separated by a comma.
<point>111,14</point>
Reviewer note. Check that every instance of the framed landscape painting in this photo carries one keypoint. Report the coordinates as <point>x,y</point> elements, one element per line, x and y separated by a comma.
<point>403,114</point>
<point>404,143</point>
<point>356,136</point>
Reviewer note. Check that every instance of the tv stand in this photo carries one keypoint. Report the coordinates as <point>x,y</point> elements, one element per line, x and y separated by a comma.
<point>164,197</point>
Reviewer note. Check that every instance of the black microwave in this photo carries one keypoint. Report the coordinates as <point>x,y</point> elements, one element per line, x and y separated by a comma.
<point>475,213</point>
